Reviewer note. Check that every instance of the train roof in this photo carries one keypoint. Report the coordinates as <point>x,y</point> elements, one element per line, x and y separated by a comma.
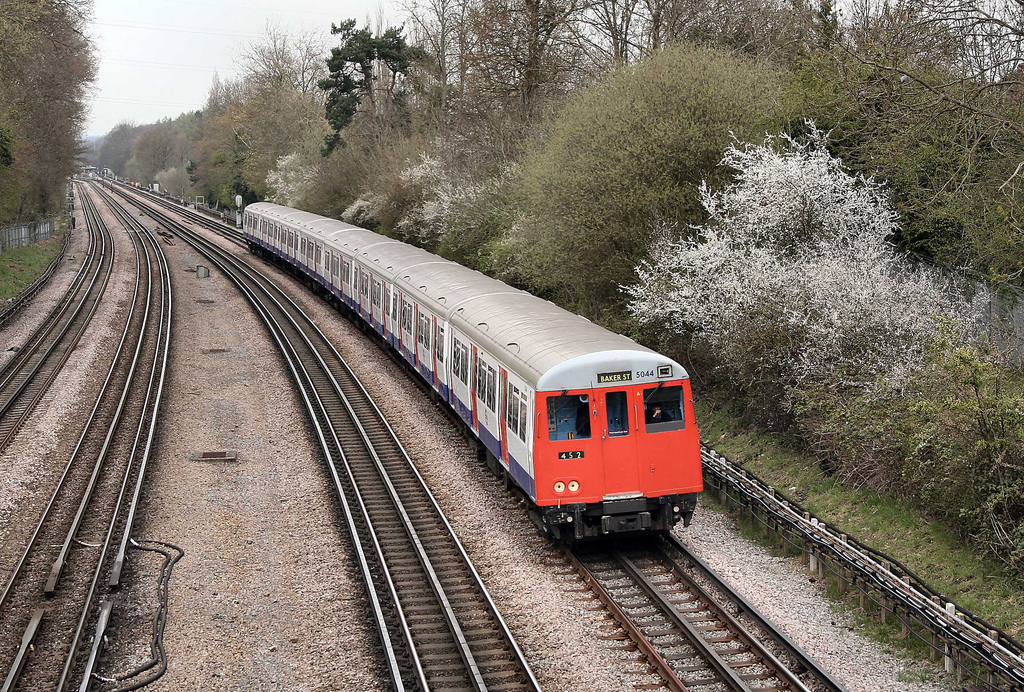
<point>549,347</point>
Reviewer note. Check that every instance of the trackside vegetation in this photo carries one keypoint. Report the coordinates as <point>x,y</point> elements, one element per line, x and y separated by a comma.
<point>20,267</point>
<point>933,551</point>
<point>818,214</point>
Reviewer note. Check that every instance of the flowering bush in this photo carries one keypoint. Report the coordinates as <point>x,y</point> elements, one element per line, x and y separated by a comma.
<point>792,281</point>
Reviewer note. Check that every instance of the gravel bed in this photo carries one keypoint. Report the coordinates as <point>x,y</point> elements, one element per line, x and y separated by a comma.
<point>265,597</point>
<point>793,601</point>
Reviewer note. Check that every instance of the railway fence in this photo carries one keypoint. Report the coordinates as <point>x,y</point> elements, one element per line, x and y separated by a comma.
<point>972,649</point>
<point>21,234</point>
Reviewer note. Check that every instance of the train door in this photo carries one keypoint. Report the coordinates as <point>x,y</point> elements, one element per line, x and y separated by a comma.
<point>419,338</point>
<point>385,311</point>
<point>620,421</point>
<point>503,414</point>
<point>433,351</point>
<point>474,379</point>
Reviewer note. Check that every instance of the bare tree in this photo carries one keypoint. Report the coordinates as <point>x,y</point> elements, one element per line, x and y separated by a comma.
<point>281,59</point>
<point>954,55</point>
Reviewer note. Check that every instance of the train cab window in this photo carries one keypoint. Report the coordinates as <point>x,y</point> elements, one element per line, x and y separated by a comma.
<point>618,414</point>
<point>569,417</point>
<point>663,409</point>
<point>523,418</point>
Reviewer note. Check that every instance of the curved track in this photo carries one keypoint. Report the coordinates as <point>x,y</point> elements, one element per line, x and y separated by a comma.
<point>49,596</point>
<point>439,628</point>
<point>28,375</point>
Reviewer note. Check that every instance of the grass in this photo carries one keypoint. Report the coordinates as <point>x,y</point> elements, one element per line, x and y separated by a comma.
<point>19,268</point>
<point>887,523</point>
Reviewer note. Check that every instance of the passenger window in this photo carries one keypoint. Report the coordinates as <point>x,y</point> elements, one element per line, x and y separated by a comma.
<point>663,409</point>
<point>618,414</point>
<point>490,389</point>
<point>522,421</point>
<point>439,344</point>
<point>457,359</point>
<point>569,417</point>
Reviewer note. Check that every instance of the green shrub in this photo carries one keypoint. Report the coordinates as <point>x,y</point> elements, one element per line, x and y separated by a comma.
<point>951,440</point>
<point>626,153</point>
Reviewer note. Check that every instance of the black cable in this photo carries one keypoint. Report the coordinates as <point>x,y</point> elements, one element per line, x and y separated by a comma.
<point>158,655</point>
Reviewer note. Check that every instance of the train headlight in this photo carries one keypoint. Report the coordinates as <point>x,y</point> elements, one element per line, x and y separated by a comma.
<point>573,486</point>
<point>676,509</point>
<point>559,487</point>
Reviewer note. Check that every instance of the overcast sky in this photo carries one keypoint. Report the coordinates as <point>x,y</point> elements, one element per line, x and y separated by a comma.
<point>157,57</point>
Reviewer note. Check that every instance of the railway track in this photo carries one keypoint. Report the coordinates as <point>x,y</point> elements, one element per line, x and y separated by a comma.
<point>693,631</point>
<point>28,375</point>
<point>210,223</point>
<point>51,597</point>
<point>438,627</point>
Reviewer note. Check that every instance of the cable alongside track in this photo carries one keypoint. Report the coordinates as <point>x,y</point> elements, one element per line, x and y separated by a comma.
<point>439,629</point>
<point>50,597</point>
<point>28,375</point>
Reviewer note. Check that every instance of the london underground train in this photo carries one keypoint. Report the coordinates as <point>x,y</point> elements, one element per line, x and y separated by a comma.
<point>597,431</point>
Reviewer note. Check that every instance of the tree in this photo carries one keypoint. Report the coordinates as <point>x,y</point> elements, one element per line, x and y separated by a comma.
<point>46,65</point>
<point>626,153</point>
<point>6,147</point>
<point>364,67</point>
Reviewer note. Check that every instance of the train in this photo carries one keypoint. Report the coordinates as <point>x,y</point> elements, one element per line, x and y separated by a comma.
<point>598,432</point>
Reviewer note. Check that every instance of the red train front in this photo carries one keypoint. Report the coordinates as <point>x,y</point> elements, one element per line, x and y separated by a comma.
<point>622,455</point>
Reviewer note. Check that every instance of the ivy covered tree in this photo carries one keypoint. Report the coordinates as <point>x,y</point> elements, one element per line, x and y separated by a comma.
<point>6,147</point>
<point>367,67</point>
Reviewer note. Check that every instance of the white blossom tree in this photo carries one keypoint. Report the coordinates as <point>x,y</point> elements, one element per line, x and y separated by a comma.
<point>792,280</point>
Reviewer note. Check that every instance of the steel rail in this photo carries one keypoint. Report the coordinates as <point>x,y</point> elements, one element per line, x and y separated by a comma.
<point>725,673</point>
<point>792,649</point>
<point>992,647</point>
<point>31,343</point>
<point>476,679</point>
<point>295,368</point>
<point>142,325</point>
<point>722,664</point>
<point>223,229</point>
<point>292,313</point>
<point>672,681</point>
